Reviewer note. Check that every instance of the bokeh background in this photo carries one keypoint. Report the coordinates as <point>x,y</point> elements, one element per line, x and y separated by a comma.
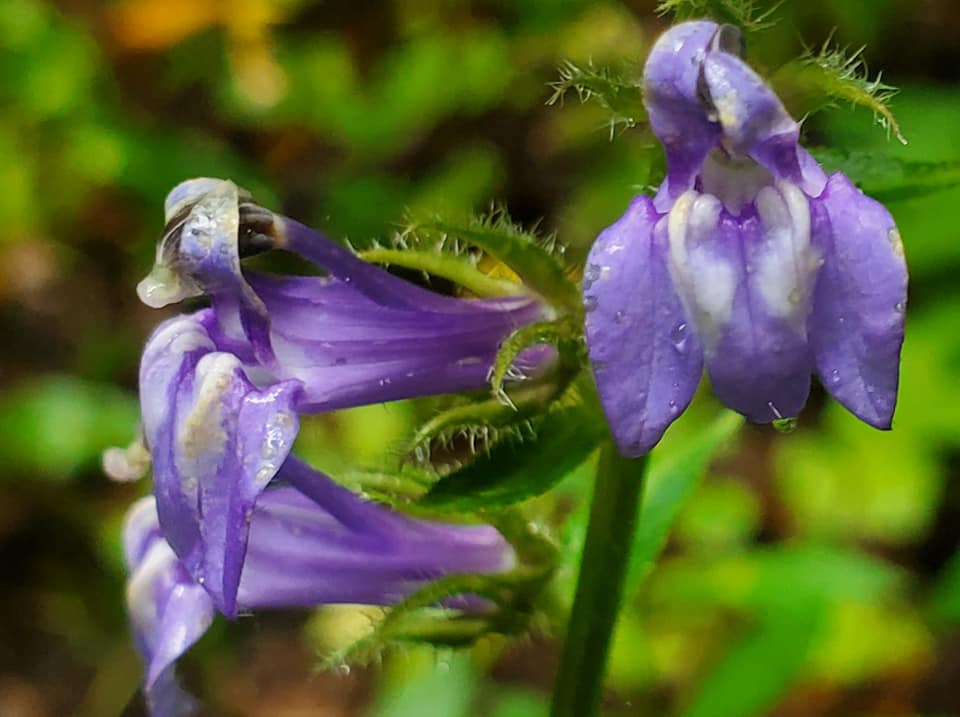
<point>809,574</point>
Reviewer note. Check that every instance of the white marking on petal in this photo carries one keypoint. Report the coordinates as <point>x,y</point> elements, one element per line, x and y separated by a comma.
<point>202,435</point>
<point>786,261</point>
<point>705,281</point>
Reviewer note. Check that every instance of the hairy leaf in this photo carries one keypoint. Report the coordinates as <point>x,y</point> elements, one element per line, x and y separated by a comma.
<point>563,334</point>
<point>515,470</point>
<point>611,87</point>
<point>889,178</point>
<point>818,79</point>
<point>537,261</point>
<point>749,14</point>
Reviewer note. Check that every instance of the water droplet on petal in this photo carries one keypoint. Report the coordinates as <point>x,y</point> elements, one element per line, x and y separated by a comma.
<point>674,409</point>
<point>589,303</point>
<point>900,307</point>
<point>679,336</point>
<point>590,275</point>
<point>794,296</point>
<point>835,376</point>
<point>618,317</point>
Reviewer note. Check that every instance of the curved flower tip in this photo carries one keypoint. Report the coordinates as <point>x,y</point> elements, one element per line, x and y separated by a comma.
<point>168,610</point>
<point>199,250</point>
<point>216,441</point>
<point>772,270</point>
<point>701,95</point>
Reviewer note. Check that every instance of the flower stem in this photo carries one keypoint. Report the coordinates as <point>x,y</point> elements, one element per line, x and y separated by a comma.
<point>603,566</point>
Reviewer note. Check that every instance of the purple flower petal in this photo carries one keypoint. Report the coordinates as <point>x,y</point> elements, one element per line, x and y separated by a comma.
<point>316,542</point>
<point>646,357</point>
<point>347,349</point>
<point>858,316</point>
<point>168,610</point>
<point>747,283</point>
<point>216,442</point>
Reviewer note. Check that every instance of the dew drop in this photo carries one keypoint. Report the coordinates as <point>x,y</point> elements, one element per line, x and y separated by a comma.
<point>785,425</point>
<point>900,307</point>
<point>794,296</point>
<point>835,376</point>
<point>674,409</point>
<point>679,336</point>
<point>589,303</point>
<point>590,275</point>
<point>344,670</point>
<point>618,317</point>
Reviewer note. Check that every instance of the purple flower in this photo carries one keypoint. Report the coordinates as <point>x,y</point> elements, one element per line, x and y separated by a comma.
<point>221,389</point>
<point>356,336</point>
<point>311,542</point>
<point>236,521</point>
<point>749,260</point>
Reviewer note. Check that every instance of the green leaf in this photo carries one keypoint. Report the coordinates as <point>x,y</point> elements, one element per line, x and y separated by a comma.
<point>535,260</point>
<point>770,657</point>
<point>514,471</point>
<point>817,80</point>
<point>611,87</point>
<point>888,178</point>
<point>671,481</point>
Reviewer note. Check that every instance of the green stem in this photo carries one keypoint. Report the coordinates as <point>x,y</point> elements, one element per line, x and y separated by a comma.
<point>603,567</point>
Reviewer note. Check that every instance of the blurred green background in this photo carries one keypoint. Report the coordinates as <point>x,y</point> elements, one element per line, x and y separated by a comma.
<point>808,575</point>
